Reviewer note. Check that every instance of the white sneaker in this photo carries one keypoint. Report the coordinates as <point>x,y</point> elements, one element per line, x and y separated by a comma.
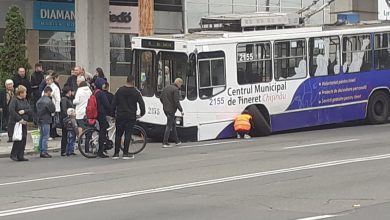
<point>115,157</point>
<point>128,156</point>
<point>247,136</point>
<point>167,146</point>
<point>50,139</point>
<point>178,144</point>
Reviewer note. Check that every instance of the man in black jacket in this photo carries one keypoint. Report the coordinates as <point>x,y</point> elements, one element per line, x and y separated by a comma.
<point>45,109</point>
<point>170,98</point>
<point>36,79</point>
<point>21,79</point>
<point>125,108</point>
<point>72,80</point>
<point>104,109</point>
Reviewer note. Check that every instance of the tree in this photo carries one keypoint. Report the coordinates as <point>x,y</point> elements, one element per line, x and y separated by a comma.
<point>13,53</point>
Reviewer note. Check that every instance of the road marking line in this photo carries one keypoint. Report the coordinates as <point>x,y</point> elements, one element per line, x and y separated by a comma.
<point>69,203</point>
<point>319,144</point>
<point>46,178</point>
<point>212,144</point>
<point>318,217</point>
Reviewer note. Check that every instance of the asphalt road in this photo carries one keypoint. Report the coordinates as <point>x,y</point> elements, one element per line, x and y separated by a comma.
<point>332,173</point>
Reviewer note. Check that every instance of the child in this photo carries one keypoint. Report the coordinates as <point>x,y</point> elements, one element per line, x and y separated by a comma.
<point>72,131</point>
<point>242,125</point>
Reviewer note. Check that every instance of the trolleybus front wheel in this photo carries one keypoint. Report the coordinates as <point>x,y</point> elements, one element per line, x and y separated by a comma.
<point>262,127</point>
<point>378,108</point>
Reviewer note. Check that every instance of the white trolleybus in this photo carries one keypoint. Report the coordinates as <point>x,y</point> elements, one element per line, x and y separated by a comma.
<point>287,78</point>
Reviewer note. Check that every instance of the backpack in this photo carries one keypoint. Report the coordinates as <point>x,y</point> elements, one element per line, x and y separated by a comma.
<point>92,108</point>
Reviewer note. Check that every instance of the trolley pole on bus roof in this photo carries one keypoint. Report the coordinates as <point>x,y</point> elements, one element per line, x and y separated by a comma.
<point>146,17</point>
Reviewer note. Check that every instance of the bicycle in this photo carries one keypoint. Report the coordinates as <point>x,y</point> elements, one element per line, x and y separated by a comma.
<point>88,143</point>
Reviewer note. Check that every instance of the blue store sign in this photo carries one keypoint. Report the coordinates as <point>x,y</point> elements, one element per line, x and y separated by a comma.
<point>54,16</point>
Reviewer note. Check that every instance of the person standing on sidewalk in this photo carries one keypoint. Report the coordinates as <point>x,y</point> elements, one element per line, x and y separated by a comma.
<point>80,102</point>
<point>7,96</point>
<point>45,109</point>
<point>36,78</point>
<point>72,79</point>
<point>20,111</point>
<point>125,108</point>
<point>170,98</point>
<point>104,109</point>
<point>72,131</point>
<point>56,99</point>
<point>66,103</point>
<point>21,79</point>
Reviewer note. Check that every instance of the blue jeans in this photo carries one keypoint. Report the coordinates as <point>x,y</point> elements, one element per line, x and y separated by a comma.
<point>45,132</point>
<point>71,142</point>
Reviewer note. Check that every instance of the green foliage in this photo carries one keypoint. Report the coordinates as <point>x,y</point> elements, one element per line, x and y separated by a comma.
<point>13,53</point>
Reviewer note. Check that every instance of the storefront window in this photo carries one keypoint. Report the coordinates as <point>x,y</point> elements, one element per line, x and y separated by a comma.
<point>120,54</point>
<point>57,51</point>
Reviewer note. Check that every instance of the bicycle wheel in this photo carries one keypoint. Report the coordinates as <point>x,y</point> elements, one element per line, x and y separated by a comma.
<point>138,140</point>
<point>89,143</point>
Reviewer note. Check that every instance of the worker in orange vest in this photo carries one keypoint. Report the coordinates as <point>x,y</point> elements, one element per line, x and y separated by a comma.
<point>243,125</point>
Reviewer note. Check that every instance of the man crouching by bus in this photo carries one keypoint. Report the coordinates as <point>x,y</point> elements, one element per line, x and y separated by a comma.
<point>243,125</point>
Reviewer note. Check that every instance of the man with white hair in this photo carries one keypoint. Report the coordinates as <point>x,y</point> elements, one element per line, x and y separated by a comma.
<point>170,98</point>
<point>5,98</point>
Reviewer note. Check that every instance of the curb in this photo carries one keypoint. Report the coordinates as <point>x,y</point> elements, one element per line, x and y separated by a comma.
<point>31,152</point>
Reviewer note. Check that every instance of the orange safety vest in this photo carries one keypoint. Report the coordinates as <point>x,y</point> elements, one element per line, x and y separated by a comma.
<point>242,123</point>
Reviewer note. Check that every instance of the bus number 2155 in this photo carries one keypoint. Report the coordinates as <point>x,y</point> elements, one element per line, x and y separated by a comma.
<point>217,101</point>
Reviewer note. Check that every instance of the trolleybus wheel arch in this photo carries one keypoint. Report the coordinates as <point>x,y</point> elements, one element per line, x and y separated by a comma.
<point>261,125</point>
<point>378,108</point>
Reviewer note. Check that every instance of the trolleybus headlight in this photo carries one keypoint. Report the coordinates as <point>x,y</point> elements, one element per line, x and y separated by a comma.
<point>179,121</point>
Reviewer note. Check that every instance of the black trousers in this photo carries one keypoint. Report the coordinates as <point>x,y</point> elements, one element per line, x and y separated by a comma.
<point>10,130</point>
<point>123,126</point>
<point>64,139</point>
<point>103,125</point>
<point>171,126</point>
<point>18,147</point>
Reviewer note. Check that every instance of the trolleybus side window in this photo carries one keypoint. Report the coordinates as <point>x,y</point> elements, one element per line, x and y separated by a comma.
<point>357,54</point>
<point>254,63</point>
<point>144,71</point>
<point>192,90</point>
<point>324,56</point>
<point>212,79</point>
<point>382,51</point>
<point>171,66</point>
<point>290,59</point>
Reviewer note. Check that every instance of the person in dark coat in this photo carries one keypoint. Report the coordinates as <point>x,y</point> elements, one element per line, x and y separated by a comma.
<point>45,109</point>
<point>125,109</point>
<point>20,111</point>
<point>6,95</point>
<point>36,79</point>
<point>72,80</point>
<point>170,98</point>
<point>66,103</point>
<point>104,109</point>
<point>21,79</point>
<point>106,89</point>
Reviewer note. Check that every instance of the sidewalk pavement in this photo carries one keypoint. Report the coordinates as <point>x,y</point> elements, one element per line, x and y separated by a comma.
<point>5,148</point>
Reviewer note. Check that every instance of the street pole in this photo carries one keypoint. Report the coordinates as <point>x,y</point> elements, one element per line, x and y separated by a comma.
<point>146,17</point>
<point>280,6</point>
<point>185,16</point>
<point>267,2</point>
<point>257,6</point>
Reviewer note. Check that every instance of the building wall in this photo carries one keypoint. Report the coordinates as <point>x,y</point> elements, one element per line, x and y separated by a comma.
<point>368,9</point>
